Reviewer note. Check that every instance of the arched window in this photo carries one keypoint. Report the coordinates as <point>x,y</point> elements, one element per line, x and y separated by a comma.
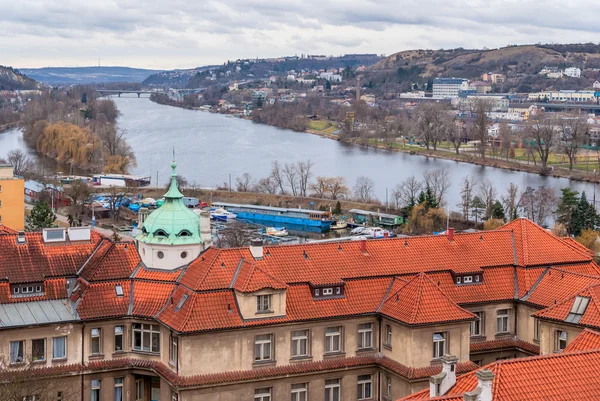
<point>184,233</point>
<point>161,233</point>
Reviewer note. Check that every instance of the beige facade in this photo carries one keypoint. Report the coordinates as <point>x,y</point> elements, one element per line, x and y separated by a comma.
<point>550,333</point>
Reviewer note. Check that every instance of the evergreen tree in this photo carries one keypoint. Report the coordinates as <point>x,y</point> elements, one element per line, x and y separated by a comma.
<point>477,208</point>
<point>41,216</point>
<point>421,198</point>
<point>84,98</point>
<point>338,209</point>
<point>430,201</point>
<point>584,217</point>
<point>328,85</point>
<point>566,212</point>
<point>498,211</point>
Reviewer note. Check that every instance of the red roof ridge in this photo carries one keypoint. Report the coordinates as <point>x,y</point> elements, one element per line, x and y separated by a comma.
<point>544,311</point>
<point>583,339</point>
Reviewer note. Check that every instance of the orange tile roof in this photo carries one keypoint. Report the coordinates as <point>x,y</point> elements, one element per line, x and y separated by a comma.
<point>34,261</point>
<point>111,261</point>
<point>6,230</point>
<point>53,289</point>
<point>556,285</point>
<point>100,300</point>
<point>564,376</point>
<point>571,241</point>
<point>150,297</point>
<point>251,278</point>
<point>505,343</point>
<point>421,301</point>
<point>157,275</point>
<point>586,340</point>
<point>560,311</point>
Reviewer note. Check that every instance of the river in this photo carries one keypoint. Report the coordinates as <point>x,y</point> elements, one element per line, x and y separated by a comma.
<point>209,147</point>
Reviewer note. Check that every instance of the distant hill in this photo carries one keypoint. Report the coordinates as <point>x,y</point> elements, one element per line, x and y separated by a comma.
<point>520,64</point>
<point>250,69</point>
<point>86,75</point>
<point>13,79</point>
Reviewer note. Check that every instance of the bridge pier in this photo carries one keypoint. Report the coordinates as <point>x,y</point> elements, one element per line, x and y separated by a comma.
<point>138,94</point>
<point>119,94</point>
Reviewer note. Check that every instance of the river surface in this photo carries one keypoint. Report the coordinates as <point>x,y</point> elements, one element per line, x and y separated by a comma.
<point>209,147</point>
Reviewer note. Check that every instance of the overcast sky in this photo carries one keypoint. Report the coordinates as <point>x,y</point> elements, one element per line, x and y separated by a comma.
<point>189,33</point>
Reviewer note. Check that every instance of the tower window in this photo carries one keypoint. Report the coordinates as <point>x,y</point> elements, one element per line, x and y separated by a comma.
<point>160,254</point>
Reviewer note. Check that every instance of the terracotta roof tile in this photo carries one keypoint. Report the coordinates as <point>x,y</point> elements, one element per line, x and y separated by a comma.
<point>591,314</point>
<point>111,261</point>
<point>251,278</point>
<point>420,301</point>
<point>150,297</point>
<point>564,376</point>
<point>53,289</point>
<point>556,285</point>
<point>6,230</point>
<point>100,300</point>
<point>505,343</point>
<point>586,340</point>
<point>158,275</point>
<point>34,261</point>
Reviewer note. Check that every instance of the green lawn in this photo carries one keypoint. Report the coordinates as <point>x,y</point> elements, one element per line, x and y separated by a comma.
<point>323,126</point>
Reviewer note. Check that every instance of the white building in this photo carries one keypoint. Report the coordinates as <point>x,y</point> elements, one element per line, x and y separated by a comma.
<point>573,72</point>
<point>448,88</point>
<point>596,85</point>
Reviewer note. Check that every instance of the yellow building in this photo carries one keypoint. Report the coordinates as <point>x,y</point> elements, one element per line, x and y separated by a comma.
<point>12,199</point>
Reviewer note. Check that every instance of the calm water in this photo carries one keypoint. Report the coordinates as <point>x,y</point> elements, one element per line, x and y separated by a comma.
<point>209,147</point>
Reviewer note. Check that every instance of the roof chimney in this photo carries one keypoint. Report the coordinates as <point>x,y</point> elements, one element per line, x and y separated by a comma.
<point>442,382</point>
<point>450,232</point>
<point>363,245</point>
<point>483,391</point>
<point>256,249</point>
<point>205,231</point>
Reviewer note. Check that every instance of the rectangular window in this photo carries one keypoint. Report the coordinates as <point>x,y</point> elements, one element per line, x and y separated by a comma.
<point>468,279</point>
<point>502,321</point>
<point>17,351</point>
<point>38,350</point>
<point>458,280</point>
<point>263,303</point>
<point>327,291</point>
<point>59,347</point>
<point>561,340</point>
<point>119,332</point>
<point>578,309</point>
<point>262,394</point>
<point>146,337</point>
<point>300,392</point>
<point>365,387</point>
<point>95,387</point>
<point>300,343</point>
<point>388,386</point>
<point>365,335</point>
<point>174,396</point>
<point>477,325</point>
<point>262,347</point>
<point>388,335</point>
<point>139,390</point>
<point>439,345</point>
<point>96,340</point>
<point>536,329</point>
<point>118,389</point>
<point>173,349</point>
<point>332,390</point>
<point>333,339</point>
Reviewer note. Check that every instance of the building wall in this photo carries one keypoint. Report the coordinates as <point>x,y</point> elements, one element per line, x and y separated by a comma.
<point>12,199</point>
<point>526,323</point>
<point>281,389</point>
<point>490,322</point>
<point>548,335</point>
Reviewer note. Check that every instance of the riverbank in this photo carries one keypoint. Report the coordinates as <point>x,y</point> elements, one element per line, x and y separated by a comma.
<point>8,126</point>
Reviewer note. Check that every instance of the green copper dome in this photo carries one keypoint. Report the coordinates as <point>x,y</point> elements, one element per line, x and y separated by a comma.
<point>172,223</point>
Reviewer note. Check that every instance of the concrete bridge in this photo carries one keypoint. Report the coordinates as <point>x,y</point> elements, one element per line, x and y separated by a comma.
<point>590,108</point>
<point>106,92</point>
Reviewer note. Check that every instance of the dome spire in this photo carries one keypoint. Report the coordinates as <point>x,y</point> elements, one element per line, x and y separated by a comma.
<point>173,192</point>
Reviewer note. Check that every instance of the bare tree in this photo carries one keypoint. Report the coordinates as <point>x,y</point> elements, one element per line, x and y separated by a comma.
<point>290,172</point>
<point>427,123</point>
<point>79,192</point>
<point>466,196</point>
<point>538,204</point>
<point>407,192</point>
<point>244,183</point>
<point>488,195</point>
<point>505,136</point>
<point>572,134</point>
<point>304,174</point>
<point>481,107</point>
<point>235,235</point>
<point>21,163</point>
<point>115,196</point>
<point>320,187</point>
<point>277,176</point>
<point>338,188</point>
<point>267,185</point>
<point>543,133</point>
<point>510,201</point>
<point>454,134</point>
<point>438,181</point>
<point>364,189</point>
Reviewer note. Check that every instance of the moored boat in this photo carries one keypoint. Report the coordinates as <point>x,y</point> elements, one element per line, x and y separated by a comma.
<point>276,232</point>
<point>339,225</point>
<point>221,214</point>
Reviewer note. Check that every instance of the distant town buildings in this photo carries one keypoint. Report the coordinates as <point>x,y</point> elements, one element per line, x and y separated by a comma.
<point>564,96</point>
<point>494,78</point>
<point>449,88</point>
<point>555,72</point>
<point>573,72</point>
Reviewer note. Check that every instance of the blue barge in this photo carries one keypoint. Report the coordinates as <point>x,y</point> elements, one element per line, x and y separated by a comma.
<point>278,216</point>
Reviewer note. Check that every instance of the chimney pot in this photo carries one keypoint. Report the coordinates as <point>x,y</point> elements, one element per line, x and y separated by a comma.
<point>363,245</point>
<point>386,234</point>
<point>450,234</point>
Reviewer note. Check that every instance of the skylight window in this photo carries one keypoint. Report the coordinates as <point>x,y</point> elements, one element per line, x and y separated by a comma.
<point>579,306</point>
<point>181,302</point>
<point>119,290</point>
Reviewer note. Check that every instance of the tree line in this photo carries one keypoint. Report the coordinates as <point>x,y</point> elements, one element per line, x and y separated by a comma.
<point>75,127</point>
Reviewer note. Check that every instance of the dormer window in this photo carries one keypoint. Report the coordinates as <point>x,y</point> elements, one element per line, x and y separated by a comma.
<point>28,290</point>
<point>184,233</point>
<point>161,233</point>
<point>468,279</point>
<point>317,292</point>
<point>328,292</point>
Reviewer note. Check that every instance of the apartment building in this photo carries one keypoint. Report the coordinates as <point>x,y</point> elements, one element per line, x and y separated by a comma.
<point>12,198</point>
<point>449,88</point>
<point>169,317</point>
